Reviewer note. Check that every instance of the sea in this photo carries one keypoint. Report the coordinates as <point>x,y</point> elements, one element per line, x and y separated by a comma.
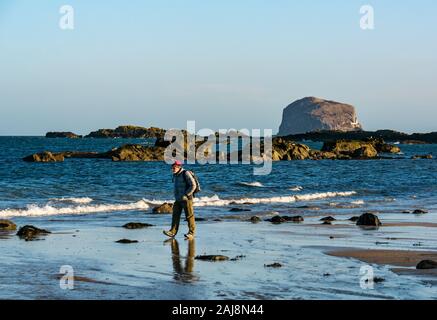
<point>82,197</point>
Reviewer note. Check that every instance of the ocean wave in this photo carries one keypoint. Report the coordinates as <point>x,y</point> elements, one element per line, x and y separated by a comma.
<point>251,184</point>
<point>83,200</point>
<point>34,210</point>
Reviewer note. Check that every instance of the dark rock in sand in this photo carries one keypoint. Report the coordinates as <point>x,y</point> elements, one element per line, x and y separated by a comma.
<point>368,219</point>
<point>387,148</point>
<point>83,154</point>
<point>293,219</point>
<point>282,219</point>
<point>345,149</point>
<point>239,210</point>
<point>273,265</point>
<point>163,208</point>
<point>328,219</point>
<point>255,219</point>
<point>354,219</point>
<point>160,142</point>
<point>136,225</point>
<point>126,241</point>
<point>217,220</point>
<point>365,152</point>
<point>322,155</point>
<point>284,150</point>
<point>200,219</point>
<point>426,264</point>
<point>7,225</point>
<point>276,219</point>
<point>327,223</point>
<point>69,135</point>
<point>212,258</point>
<point>29,233</point>
<point>376,280</point>
<point>420,211</point>
<point>45,156</point>
<point>240,257</point>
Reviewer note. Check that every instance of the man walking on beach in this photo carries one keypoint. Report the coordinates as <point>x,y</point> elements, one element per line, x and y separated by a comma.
<point>184,188</point>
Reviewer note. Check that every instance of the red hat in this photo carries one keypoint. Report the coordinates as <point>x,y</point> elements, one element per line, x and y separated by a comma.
<point>177,163</point>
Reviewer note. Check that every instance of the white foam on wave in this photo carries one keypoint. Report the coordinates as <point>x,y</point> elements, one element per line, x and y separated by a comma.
<point>252,184</point>
<point>358,202</point>
<point>216,201</point>
<point>296,188</point>
<point>34,210</point>
<point>83,200</point>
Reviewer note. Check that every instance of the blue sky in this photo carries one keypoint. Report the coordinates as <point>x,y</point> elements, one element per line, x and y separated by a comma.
<point>224,63</point>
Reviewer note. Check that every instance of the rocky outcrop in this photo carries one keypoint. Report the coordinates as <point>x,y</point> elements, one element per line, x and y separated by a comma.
<point>387,148</point>
<point>128,152</point>
<point>134,152</point>
<point>212,258</point>
<point>365,152</point>
<point>136,225</point>
<point>45,156</point>
<point>82,155</point>
<point>69,135</point>
<point>314,114</point>
<point>7,225</point>
<point>128,132</point>
<point>30,233</point>
<point>344,146</point>
<point>322,155</point>
<point>420,211</point>
<point>126,241</point>
<point>282,219</point>
<point>386,135</point>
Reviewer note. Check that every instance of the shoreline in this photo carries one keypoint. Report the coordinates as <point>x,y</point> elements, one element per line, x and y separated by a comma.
<point>112,270</point>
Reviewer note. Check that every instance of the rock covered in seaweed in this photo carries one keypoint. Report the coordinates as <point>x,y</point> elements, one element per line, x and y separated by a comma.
<point>30,233</point>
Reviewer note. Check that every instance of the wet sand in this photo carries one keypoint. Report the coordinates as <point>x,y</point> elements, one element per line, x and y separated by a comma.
<point>318,261</point>
<point>411,224</point>
<point>401,258</point>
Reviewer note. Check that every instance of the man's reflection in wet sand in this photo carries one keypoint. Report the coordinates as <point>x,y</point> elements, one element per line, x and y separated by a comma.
<point>183,273</point>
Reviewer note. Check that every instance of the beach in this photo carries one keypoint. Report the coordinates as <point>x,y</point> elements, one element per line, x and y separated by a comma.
<point>315,263</point>
<point>85,203</point>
